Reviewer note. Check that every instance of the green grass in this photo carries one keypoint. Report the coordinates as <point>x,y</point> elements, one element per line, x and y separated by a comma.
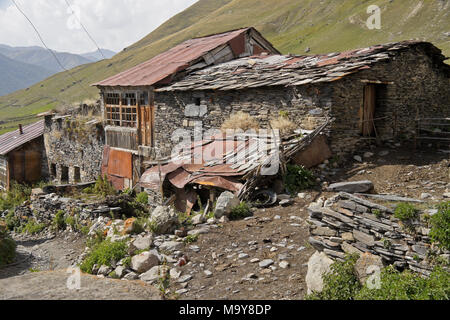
<point>103,254</point>
<point>291,25</point>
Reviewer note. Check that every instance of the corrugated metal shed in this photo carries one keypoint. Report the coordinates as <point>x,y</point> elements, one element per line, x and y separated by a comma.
<point>280,70</point>
<point>161,68</point>
<point>13,140</point>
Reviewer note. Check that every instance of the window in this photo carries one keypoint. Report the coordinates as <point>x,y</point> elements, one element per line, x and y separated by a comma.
<point>197,101</point>
<point>64,174</point>
<point>121,109</point>
<point>53,170</point>
<point>143,99</point>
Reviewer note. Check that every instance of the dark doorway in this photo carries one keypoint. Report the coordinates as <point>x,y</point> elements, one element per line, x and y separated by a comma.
<point>53,170</point>
<point>77,175</point>
<point>367,111</point>
<point>64,174</point>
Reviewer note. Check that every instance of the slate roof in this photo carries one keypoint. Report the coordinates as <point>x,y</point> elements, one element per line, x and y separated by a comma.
<point>292,70</point>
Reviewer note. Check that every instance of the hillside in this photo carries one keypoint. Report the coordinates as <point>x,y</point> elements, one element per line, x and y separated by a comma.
<point>14,74</point>
<point>291,25</point>
<point>98,55</point>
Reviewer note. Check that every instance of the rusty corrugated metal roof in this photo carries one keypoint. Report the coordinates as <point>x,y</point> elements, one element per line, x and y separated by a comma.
<point>291,70</point>
<point>172,61</point>
<point>13,140</point>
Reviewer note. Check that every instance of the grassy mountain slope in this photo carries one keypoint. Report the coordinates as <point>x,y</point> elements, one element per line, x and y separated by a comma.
<point>97,55</point>
<point>291,25</point>
<point>15,74</point>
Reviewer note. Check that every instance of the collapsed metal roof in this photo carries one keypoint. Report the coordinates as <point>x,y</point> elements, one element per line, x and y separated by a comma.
<point>13,140</point>
<point>164,66</point>
<point>281,70</point>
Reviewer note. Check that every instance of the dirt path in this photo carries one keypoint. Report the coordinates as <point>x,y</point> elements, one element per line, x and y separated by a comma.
<point>52,285</point>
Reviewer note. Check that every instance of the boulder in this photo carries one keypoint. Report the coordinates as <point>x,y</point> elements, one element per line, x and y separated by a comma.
<point>155,273</point>
<point>366,265</point>
<point>198,219</point>
<point>318,265</point>
<point>225,203</point>
<point>165,220</point>
<point>143,262</point>
<point>129,226</point>
<point>352,187</point>
<point>141,243</point>
<point>120,271</point>
<point>104,270</point>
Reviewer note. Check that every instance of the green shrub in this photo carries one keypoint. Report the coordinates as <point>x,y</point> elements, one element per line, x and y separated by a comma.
<point>7,251</point>
<point>59,221</point>
<point>12,222</point>
<point>298,178</point>
<point>406,212</point>
<point>341,282</point>
<point>142,198</point>
<point>32,227</point>
<point>191,238</point>
<point>440,226</point>
<point>16,195</point>
<point>103,253</point>
<point>407,285</point>
<point>102,187</point>
<point>241,211</point>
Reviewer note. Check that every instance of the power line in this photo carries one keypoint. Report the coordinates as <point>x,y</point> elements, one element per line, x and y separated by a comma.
<point>88,34</point>
<point>51,51</point>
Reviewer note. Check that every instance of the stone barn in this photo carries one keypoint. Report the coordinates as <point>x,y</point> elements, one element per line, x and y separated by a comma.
<point>135,127</point>
<point>371,94</point>
<point>22,155</point>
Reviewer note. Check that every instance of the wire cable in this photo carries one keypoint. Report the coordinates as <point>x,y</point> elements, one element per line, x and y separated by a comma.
<point>50,50</point>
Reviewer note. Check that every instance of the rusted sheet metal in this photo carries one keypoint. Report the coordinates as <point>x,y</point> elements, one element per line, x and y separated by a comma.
<point>226,183</point>
<point>120,164</point>
<point>151,178</point>
<point>105,160</point>
<point>13,140</point>
<point>167,64</point>
<point>237,44</point>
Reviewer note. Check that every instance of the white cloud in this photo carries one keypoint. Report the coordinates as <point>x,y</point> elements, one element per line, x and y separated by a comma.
<point>114,24</point>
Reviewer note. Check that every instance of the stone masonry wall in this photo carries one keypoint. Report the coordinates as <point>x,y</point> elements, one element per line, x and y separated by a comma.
<point>304,106</point>
<point>349,224</point>
<point>73,143</point>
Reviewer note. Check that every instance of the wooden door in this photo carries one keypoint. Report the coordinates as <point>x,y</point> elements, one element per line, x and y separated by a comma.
<point>368,111</point>
<point>147,117</point>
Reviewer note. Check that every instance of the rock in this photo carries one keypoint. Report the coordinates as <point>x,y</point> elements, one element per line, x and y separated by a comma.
<point>384,153</point>
<point>366,266</point>
<point>424,196</point>
<point>171,246</point>
<point>225,203</point>
<point>255,260</point>
<point>104,270</point>
<point>318,265</point>
<point>364,238</point>
<point>155,273</point>
<point>351,187</point>
<point>347,236</point>
<point>120,271</point>
<point>198,219</point>
<point>185,279</point>
<point>175,274</point>
<point>368,155</point>
<point>266,263</point>
<point>284,264</point>
<point>286,202</point>
<point>446,195</point>
<point>131,276</point>
<point>165,220</point>
<point>358,158</point>
<point>324,231</point>
<point>348,248</point>
<point>141,243</point>
<point>301,195</point>
<point>208,273</point>
<point>224,219</point>
<point>243,256</point>
<point>143,262</point>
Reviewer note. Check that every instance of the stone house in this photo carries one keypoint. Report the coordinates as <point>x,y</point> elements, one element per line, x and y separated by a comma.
<point>22,155</point>
<point>372,94</point>
<point>74,144</point>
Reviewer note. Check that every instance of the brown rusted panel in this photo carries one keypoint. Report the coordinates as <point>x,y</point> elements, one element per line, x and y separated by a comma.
<point>105,160</point>
<point>120,164</point>
<point>117,182</point>
<point>257,50</point>
<point>237,44</point>
<point>316,153</point>
<point>220,182</point>
<point>32,166</point>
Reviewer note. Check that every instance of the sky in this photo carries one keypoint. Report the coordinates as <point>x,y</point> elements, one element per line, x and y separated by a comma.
<point>114,24</point>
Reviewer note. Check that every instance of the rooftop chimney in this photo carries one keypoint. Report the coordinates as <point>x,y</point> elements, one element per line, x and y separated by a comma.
<point>20,129</point>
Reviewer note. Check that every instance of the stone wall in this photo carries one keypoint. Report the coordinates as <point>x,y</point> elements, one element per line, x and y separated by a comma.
<point>74,147</point>
<point>416,88</point>
<point>305,105</point>
<point>349,224</point>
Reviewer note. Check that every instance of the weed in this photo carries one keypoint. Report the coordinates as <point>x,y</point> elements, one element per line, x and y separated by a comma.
<point>298,178</point>
<point>440,226</point>
<point>191,239</point>
<point>59,221</point>
<point>240,212</point>
<point>103,254</point>
<point>406,212</point>
<point>142,198</point>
